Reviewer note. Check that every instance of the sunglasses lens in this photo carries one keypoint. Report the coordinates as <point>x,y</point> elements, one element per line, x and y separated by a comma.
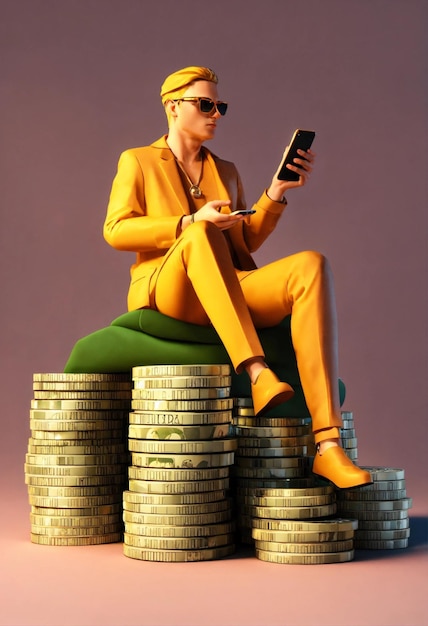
<point>206,105</point>
<point>222,107</point>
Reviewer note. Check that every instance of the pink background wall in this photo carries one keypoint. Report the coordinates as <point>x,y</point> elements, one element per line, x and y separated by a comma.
<point>80,83</point>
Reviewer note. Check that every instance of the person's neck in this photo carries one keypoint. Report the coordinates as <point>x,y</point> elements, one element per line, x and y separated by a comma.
<point>185,150</point>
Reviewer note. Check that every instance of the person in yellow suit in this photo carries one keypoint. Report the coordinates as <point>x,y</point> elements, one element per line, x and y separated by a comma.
<point>174,203</point>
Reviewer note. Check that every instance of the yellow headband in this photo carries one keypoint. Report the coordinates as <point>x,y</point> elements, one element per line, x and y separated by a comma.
<point>181,79</point>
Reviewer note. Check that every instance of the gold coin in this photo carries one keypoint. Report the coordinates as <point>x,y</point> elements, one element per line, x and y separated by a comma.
<point>80,521</point>
<point>180,418</point>
<point>144,519</point>
<point>380,485</point>
<point>269,462</point>
<point>246,417</point>
<point>76,541</point>
<point>394,544</point>
<point>76,459</point>
<point>294,501</point>
<point>243,402</point>
<point>148,486</point>
<point>58,426</point>
<point>175,509</point>
<point>330,525</point>
<point>177,556</point>
<point>175,395</point>
<point>75,503</point>
<point>187,433</point>
<point>177,498</point>
<point>73,470</point>
<point>179,475</point>
<point>382,535</point>
<point>83,395</point>
<point>285,431</point>
<point>305,559</point>
<point>261,472</point>
<point>77,385</point>
<point>272,452</point>
<point>182,382</point>
<point>262,492</point>
<point>68,492</point>
<point>75,451</point>
<point>94,511</point>
<point>113,436</point>
<point>177,543</point>
<point>74,481</point>
<point>146,371</point>
<point>204,531</point>
<point>166,446</point>
<point>59,531</point>
<point>373,495</point>
<point>51,415</point>
<point>375,515</point>
<point>347,433</point>
<point>397,524</point>
<point>190,406</point>
<point>81,405</point>
<point>305,548</point>
<point>349,444</point>
<point>297,513</point>
<point>184,461</point>
<point>302,537</point>
<point>268,442</point>
<point>376,505</point>
<point>79,377</point>
<point>251,484</point>
<point>384,473</point>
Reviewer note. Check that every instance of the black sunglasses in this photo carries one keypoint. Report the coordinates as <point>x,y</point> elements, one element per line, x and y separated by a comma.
<point>206,105</point>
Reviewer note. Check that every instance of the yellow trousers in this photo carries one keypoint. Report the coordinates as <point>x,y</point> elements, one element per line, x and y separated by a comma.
<point>197,282</point>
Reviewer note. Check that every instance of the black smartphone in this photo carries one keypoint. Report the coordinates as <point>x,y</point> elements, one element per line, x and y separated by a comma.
<point>243,212</point>
<point>301,140</point>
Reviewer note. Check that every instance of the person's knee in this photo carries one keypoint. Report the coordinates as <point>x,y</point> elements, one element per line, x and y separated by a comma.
<point>312,263</point>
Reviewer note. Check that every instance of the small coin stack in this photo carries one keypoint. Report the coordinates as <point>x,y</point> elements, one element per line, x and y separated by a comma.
<point>177,508</point>
<point>348,437</point>
<point>380,508</point>
<point>77,458</point>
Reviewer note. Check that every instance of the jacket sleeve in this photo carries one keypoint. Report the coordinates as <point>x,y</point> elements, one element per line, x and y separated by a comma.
<point>127,225</point>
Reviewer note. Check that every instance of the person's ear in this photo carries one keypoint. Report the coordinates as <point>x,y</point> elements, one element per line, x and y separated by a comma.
<point>171,108</point>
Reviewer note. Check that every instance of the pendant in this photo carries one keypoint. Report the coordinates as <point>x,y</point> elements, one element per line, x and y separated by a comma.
<point>196,192</point>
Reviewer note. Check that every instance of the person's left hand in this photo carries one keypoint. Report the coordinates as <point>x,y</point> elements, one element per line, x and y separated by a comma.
<point>302,166</point>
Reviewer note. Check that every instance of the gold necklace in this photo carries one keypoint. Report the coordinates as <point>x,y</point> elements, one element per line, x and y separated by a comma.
<point>194,189</point>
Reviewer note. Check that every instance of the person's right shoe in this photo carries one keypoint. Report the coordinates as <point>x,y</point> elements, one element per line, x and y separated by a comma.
<point>334,465</point>
<point>268,391</point>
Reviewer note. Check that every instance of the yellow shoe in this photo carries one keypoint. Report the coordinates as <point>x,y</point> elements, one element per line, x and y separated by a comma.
<point>268,391</point>
<point>334,465</point>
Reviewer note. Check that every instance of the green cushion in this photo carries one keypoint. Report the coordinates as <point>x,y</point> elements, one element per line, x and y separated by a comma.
<point>146,337</point>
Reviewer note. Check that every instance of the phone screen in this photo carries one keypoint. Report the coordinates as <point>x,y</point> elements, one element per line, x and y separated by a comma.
<point>302,140</point>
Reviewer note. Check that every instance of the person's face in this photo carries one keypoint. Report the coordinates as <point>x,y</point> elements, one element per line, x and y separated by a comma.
<point>189,120</point>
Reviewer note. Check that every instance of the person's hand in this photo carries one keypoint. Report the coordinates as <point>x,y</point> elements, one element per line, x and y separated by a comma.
<point>211,212</point>
<point>302,166</point>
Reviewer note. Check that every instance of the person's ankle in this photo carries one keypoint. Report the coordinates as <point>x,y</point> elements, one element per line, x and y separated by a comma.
<point>325,444</point>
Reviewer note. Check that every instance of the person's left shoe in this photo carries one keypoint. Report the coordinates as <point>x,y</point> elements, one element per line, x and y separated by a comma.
<point>334,465</point>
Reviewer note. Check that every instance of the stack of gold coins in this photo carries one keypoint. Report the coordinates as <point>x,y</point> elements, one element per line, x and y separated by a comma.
<point>77,458</point>
<point>304,542</point>
<point>272,453</point>
<point>348,437</point>
<point>177,507</point>
<point>380,508</point>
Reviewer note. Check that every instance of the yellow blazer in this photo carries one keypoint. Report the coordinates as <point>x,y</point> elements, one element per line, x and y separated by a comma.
<point>147,202</point>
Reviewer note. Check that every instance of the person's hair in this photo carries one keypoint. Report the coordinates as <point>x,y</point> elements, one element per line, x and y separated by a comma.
<point>176,84</point>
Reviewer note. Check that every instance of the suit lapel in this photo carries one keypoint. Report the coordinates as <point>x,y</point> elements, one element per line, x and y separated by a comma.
<point>171,177</point>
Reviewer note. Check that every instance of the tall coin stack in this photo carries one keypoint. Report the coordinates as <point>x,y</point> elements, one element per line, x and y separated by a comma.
<point>177,507</point>
<point>380,508</point>
<point>77,458</point>
<point>280,503</point>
